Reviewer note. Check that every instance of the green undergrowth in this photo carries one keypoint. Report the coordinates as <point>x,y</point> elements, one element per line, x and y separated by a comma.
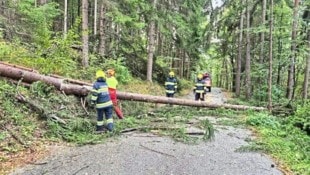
<point>278,137</point>
<point>45,114</point>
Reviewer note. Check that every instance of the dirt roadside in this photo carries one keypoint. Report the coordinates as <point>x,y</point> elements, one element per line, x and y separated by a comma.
<point>142,153</point>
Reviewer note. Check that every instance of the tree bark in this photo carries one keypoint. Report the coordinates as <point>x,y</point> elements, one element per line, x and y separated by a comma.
<point>262,44</point>
<point>270,57</point>
<point>280,47</point>
<point>262,34</point>
<point>248,54</point>
<point>151,44</point>
<point>95,18</point>
<point>85,33</point>
<point>65,18</point>
<point>84,88</point>
<point>291,71</point>
<point>102,23</point>
<point>238,72</point>
<point>307,71</point>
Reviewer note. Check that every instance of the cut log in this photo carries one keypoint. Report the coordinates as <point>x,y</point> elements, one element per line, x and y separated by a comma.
<point>30,77</point>
<point>183,102</point>
<point>20,67</point>
<point>82,89</point>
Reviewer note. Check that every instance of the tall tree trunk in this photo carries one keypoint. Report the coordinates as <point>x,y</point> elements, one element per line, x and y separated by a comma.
<point>270,57</point>
<point>160,44</point>
<point>291,71</point>
<point>248,54</point>
<point>226,74</point>
<point>262,34</point>
<point>262,43</point>
<point>102,23</point>
<point>238,71</point>
<point>280,47</point>
<point>232,62</point>
<point>65,18</point>
<point>151,43</point>
<point>307,71</point>
<point>95,18</point>
<point>2,7</point>
<point>85,33</point>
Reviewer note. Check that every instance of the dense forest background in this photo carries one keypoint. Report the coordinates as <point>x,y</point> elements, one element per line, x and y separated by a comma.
<point>257,49</point>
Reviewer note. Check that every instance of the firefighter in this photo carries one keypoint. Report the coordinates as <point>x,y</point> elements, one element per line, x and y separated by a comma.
<point>112,84</point>
<point>171,85</point>
<point>200,88</point>
<point>101,98</point>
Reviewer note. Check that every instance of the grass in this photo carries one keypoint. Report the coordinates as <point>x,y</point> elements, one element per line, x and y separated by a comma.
<point>285,142</point>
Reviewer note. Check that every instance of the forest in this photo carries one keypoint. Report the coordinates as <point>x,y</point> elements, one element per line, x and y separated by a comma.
<point>257,50</point>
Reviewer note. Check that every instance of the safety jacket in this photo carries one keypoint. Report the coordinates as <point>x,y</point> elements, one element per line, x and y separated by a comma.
<point>200,87</point>
<point>171,85</point>
<point>112,83</point>
<point>100,94</point>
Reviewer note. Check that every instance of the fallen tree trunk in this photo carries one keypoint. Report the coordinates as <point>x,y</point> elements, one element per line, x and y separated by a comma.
<point>83,89</point>
<point>30,77</point>
<point>183,102</point>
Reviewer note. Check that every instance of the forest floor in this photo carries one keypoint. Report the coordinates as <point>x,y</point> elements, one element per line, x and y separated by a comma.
<point>145,153</point>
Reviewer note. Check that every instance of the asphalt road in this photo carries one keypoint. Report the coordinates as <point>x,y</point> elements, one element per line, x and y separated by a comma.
<point>148,154</point>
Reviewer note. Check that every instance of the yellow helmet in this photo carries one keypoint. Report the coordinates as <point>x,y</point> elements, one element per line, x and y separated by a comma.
<point>171,74</point>
<point>111,72</point>
<point>199,76</point>
<point>100,74</point>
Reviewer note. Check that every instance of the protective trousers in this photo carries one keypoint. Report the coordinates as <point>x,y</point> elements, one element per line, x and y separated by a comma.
<point>107,111</point>
<point>200,96</point>
<point>116,108</point>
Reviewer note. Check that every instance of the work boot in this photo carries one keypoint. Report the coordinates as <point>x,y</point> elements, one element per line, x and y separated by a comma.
<point>110,127</point>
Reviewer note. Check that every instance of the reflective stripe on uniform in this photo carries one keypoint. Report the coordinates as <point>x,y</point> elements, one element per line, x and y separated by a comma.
<point>103,90</point>
<point>94,98</point>
<point>94,91</point>
<point>200,91</point>
<point>169,83</point>
<point>170,91</point>
<point>94,95</point>
<point>100,123</point>
<point>110,120</point>
<point>102,105</point>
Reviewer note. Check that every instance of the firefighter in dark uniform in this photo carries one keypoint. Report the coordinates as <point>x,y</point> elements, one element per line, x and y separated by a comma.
<point>200,88</point>
<point>171,85</point>
<point>101,98</point>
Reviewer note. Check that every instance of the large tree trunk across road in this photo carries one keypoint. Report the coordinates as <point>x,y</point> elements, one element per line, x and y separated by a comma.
<point>76,87</point>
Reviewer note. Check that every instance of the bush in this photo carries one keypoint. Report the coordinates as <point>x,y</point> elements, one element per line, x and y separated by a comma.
<point>184,85</point>
<point>263,120</point>
<point>301,118</point>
